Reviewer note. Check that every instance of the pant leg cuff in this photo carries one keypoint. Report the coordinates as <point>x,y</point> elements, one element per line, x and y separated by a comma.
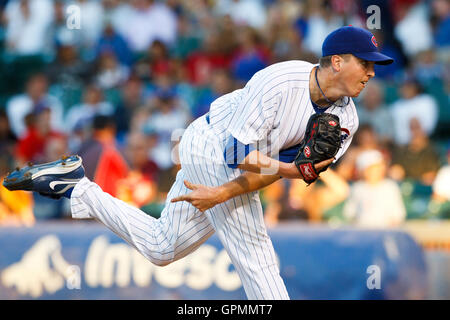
<point>78,207</point>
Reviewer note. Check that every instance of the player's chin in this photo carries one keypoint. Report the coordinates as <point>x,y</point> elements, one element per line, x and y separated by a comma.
<point>356,92</point>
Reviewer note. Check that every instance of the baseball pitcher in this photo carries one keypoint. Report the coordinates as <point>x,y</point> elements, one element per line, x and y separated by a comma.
<point>291,120</point>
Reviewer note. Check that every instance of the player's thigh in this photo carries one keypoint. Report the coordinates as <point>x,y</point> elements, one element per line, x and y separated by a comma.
<point>241,220</point>
<point>184,222</point>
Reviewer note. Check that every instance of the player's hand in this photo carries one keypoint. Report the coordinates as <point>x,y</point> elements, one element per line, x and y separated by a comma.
<point>201,197</point>
<point>324,164</point>
<point>294,173</point>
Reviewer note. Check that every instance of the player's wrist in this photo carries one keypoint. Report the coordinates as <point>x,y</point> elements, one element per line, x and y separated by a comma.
<point>223,194</point>
<point>288,170</point>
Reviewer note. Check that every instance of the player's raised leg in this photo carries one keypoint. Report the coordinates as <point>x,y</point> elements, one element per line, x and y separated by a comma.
<point>180,230</point>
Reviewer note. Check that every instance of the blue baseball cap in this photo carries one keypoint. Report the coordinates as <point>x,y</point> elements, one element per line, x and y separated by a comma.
<point>357,41</point>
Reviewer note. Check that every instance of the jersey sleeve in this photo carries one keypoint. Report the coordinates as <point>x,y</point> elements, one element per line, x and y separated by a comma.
<point>235,152</point>
<point>253,117</point>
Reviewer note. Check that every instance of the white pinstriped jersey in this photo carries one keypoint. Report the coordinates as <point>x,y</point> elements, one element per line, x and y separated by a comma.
<point>275,106</point>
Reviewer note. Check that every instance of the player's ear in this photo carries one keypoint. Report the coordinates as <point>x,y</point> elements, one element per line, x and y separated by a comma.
<point>336,62</point>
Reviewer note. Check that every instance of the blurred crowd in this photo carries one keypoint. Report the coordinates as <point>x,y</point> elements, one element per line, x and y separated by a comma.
<point>116,82</point>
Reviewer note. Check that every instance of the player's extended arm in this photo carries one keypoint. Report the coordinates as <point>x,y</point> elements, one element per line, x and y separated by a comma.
<point>204,198</point>
<point>259,163</point>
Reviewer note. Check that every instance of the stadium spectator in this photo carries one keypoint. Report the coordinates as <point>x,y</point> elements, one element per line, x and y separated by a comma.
<point>285,11</point>
<point>139,187</point>
<point>286,43</point>
<point>427,68</point>
<point>104,164</point>
<point>201,63</point>
<point>413,23</point>
<point>91,26</point>
<point>160,62</point>
<point>250,57</point>
<point>221,83</point>
<point>294,200</point>
<point>414,103</point>
<point>81,116</point>
<point>131,98</point>
<point>35,95</point>
<point>68,71</point>
<point>373,111</point>
<point>374,201</point>
<point>154,62</point>
<point>31,146</point>
<point>365,139</point>
<point>419,160</point>
<point>28,26</point>
<point>320,22</point>
<point>112,41</point>
<point>167,118</point>
<point>110,73</point>
<point>243,12</point>
<point>441,18</point>
<point>144,24</point>
<point>278,207</point>
<point>188,39</point>
<point>137,152</point>
<point>117,13</point>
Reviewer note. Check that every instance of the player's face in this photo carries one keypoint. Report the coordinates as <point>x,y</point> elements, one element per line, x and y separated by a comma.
<point>355,74</point>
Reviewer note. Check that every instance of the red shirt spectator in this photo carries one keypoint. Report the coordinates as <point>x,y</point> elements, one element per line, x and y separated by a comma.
<point>32,144</point>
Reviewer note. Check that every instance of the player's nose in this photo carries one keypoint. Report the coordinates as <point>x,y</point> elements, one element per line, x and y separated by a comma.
<point>371,71</point>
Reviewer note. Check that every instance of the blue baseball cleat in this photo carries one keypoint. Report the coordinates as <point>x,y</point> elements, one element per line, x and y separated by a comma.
<point>54,179</point>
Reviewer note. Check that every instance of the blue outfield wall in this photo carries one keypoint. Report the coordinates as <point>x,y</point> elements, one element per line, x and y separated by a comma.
<point>84,260</point>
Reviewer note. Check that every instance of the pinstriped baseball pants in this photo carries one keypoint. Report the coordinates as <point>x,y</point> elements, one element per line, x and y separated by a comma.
<point>182,228</point>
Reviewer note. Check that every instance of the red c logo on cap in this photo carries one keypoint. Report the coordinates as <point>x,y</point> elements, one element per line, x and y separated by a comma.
<point>374,41</point>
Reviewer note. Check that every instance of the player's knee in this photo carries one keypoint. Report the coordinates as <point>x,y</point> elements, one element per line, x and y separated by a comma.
<point>159,259</point>
<point>161,263</point>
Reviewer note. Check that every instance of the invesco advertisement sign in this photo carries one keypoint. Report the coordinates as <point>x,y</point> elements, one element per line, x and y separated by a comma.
<point>54,266</point>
